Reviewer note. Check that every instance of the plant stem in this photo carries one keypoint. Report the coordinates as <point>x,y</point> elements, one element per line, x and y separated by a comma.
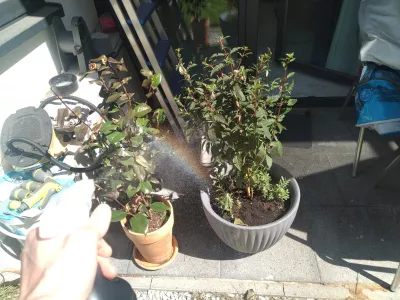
<point>125,210</point>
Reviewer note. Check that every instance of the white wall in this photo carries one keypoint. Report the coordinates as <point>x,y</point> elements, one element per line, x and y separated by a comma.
<point>25,72</point>
<point>78,8</point>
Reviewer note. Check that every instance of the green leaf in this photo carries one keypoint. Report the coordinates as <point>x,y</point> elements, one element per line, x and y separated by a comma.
<point>115,183</point>
<point>145,187</point>
<point>268,160</point>
<point>127,161</point>
<point>238,93</point>
<point>217,68</point>
<point>220,118</point>
<point>114,97</point>
<point>129,175</point>
<point>141,110</point>
<point>131,191</point>
<point>237,161</point>
<point>142,161</point>
<point>139,171</point>
<point>159,116</point>
<point>156,80</point>
<point>137,141</point>
<point>292,102</point>
<point>116,85</point>
<point>279,148</point>
<point>159,207</point>
<point>146,73</point>
<point>142,122</point>
<point>116,137</point>
<point>107,127</point>
<point>153,131</point>
<point>260,156</point>
<point>117,215</point>
<point>291,74</point>
<point>238,221</point>
<point>139,223</point>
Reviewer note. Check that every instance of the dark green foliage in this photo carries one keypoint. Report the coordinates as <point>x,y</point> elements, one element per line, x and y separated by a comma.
<point>241,111</point>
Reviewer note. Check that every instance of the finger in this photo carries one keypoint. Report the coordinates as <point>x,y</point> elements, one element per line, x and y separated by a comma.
<point>104,249</point>
<point>100,219</point>
<point>108,270</point>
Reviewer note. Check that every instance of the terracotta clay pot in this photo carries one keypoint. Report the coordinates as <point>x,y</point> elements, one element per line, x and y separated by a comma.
<point>201,29</point>
<point>156,247</point>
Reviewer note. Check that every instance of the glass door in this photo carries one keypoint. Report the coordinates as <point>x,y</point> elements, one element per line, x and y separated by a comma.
<point>323,34</point>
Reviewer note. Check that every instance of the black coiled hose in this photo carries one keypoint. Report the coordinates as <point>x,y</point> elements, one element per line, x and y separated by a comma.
<point>95,164</point>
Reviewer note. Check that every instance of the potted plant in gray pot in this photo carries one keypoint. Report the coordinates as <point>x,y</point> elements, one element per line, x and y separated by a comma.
<point>252,202</point>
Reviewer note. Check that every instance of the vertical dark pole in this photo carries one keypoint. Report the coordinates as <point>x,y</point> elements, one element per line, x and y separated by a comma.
<point>248,26</point>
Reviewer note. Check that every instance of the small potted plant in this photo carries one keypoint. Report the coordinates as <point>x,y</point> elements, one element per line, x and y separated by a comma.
<point>127,175</point>
<point>200,25</point>
<point>252,202</point>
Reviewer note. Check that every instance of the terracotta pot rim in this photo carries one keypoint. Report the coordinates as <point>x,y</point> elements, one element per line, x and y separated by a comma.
<point>170,219</point>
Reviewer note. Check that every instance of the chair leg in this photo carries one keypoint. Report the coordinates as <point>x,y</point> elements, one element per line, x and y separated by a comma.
<point>348,97</point>
<point>387,170</point>
<point>358,152</point>
<point>396,281</point>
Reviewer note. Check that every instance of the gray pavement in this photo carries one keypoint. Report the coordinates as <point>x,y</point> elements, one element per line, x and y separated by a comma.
<point>345,231</point>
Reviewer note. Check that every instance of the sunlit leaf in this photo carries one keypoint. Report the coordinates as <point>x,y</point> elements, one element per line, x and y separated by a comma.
<point>152,131</point>
<point>116,137</point>
<point>142,121</point>
<point>117,215</point>
<point>159,207</point>
<point>113,97</point>
<point>156,80</point>
<point>139,223</point>
<point>141,110</point>
<point>137,141</point>
<point>146,73</point>
<point>131,191</point>
<point>145,187</point>
<point>127,161</point>
<point>142,161</point>
<point>129,175</point>
<point>238,221</point>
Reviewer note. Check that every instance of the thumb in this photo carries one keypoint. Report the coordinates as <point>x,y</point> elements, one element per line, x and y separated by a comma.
<point>100,220</point>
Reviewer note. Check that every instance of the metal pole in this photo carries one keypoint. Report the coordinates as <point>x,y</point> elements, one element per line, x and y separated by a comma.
<point>358,151</point>
<point>142,61</point>
<point>153,60</point>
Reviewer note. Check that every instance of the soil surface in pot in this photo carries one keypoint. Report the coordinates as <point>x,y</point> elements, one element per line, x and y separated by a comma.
<point>254,212</point>
<point>155,222</point>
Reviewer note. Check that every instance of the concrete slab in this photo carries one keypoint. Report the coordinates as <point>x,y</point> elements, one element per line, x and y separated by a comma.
<point>122,248</point>
<point>291,259</point>
<point>183,265</point>
<point>355,244</point>
<point>217,285</point>
<point>360,190</point>
<point>316,291</point>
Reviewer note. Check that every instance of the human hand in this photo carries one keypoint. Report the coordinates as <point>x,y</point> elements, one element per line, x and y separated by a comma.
<point>64,266</point>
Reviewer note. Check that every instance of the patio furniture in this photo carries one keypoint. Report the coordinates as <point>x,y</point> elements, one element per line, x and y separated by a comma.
<point>396,281</point>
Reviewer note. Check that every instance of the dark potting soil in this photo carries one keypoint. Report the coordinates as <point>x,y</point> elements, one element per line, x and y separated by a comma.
<point>254,212</point>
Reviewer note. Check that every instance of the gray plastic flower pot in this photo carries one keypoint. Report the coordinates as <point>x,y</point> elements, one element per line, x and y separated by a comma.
<point>253,239</point>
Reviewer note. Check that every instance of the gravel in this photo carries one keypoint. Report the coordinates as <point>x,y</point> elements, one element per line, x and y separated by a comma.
<point>166,295</point>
